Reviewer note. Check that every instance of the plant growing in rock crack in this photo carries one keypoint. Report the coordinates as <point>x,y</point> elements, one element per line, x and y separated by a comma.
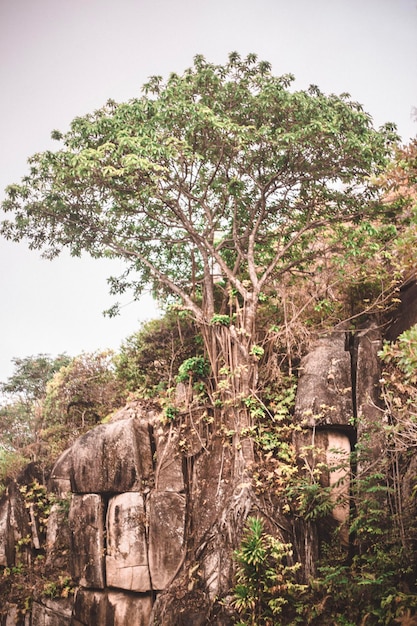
<point>60,588</point>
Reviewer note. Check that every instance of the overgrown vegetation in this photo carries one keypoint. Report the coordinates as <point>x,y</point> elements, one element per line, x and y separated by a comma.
<point>30,575</point>
<point>71,395</point>
<point>374,582</point>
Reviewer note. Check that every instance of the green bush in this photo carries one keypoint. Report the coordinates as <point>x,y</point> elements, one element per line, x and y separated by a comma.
<point>194,368</point>
<point>266,587</point>
<point>403,353</point>
<point>149,359</point>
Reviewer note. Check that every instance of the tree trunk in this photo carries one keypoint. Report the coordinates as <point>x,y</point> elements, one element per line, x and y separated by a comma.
<point>219,490</point>
<point>219,500</point>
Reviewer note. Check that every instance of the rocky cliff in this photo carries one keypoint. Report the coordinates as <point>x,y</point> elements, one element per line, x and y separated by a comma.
<point>115,535</point>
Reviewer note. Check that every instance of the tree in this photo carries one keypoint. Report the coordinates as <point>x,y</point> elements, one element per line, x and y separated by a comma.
<point>210,186</point>
<point>31,374</point>
<point>399,183</point>
<point>21,417</point>
<point>206,186</point>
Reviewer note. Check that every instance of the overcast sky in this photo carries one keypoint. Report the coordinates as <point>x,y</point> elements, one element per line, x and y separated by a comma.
<point>63,58</point>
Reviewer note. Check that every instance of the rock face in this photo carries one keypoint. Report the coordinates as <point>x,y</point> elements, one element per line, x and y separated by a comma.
<point>127,564</point>
<point>325,392</point>
<point>126,498</point>
<point>127,533</point>
<point>120,516</point>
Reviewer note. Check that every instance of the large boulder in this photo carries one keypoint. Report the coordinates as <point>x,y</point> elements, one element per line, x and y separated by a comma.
<point>86,520</point>
<point>113,458</point>
<point>324,394</point>
<point>127,555</point>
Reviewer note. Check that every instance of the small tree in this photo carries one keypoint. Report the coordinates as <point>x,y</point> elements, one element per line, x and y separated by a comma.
<point>266,580</point>
<point>79,396</point>
<point>25,390</point>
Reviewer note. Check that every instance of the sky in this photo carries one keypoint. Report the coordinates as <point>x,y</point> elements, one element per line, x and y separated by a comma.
<point>63,58</point>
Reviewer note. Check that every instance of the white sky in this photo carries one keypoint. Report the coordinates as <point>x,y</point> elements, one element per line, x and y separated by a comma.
<point>63,58</point>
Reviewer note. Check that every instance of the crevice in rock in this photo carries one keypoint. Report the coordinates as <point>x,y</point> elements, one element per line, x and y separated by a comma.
<point>105,500</point>
<point>146,514</point>
<point>152,445</point>
<point>351,346</point>
<point>187,471</point>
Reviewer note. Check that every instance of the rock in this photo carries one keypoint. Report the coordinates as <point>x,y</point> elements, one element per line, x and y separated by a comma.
<point>405,315</point>
<point>166,536</point>
<point>145,410</point>
<point>338,461</point>
<point>59,481</point>
<point>169,474</point>
<point>324,394</point>
<point>325,408</point>
<point>183,394</point>
<point>329,449</point>
<point>122,457</point>
<point>97,608</point>
<point>58,536</point>
<point>89,608</point>
<point>370,413</point>
<point>14,526</point>
<point>52,612</point>
<point>11,617</point>
<point>86,520</point>
<point>6,533</point>
<point>124,609</point>
<point>127,559</point>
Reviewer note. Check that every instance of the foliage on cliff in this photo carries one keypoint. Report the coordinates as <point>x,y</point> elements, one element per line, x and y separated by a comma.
<point>148,360</point>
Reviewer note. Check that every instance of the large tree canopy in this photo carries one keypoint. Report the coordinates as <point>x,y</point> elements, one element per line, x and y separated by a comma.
<point>223,171</point>
<point>207,186</point>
